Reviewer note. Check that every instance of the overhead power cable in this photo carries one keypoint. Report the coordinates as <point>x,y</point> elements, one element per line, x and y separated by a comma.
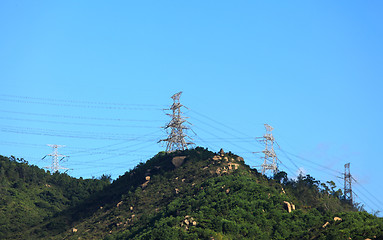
<point>375,198</point>
<point>68,134</point>
<point>63,104</point>
<point>80,117</point>
<point>115,144</point>
<point>75,123</point>
<point>224,125</point>
<point>312,162</point>
<point>369,200</point>
<point>296,166</point>
<point>76,102</point>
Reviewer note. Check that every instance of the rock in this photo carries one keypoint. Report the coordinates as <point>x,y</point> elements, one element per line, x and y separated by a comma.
<point>145,184</point>
<point>226,159</point>
<point>147,178</point>
<point>239,159</point>
<point>292,206</point>
<point>325,225</point>
<point>194,223</point>
<point>177,190</point>
<point>131,208</point>
<point>228,190</point>
<point>233,166</point>
<point>217,158</point>
<point>74,230</point>
<point>119,204</point>
<point>287,204</point>
<point>221,152</point>
<point>186,222</point>
<point>337,219</point>
<point>178,161</point>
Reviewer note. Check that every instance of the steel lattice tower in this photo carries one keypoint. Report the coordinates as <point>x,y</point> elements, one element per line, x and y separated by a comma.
<point>347,183</point>
<point>270,160</point>
<point>176,138</point>
<point>55,158</point>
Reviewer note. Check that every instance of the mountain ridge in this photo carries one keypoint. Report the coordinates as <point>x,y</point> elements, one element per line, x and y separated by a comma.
<point>198,194</point>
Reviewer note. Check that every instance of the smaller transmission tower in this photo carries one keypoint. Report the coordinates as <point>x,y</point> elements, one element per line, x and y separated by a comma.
<point>176,138</point>
<point>55,158</point>
<point>270,160</point>
<point>347,183</point>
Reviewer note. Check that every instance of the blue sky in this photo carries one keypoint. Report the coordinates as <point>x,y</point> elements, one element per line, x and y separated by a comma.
<point>95,76</point>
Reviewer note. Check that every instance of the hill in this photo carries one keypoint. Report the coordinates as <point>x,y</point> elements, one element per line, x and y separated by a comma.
<point>197,194</point>
<point>29,195</point>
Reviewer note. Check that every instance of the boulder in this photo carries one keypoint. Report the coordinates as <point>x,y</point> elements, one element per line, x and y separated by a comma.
<point>288,206</point>
<point>178,161</point>
<point>325,225</point>
<point>337,219</point>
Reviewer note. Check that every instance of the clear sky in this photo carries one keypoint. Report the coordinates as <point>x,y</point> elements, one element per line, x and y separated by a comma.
<point>95,76</point>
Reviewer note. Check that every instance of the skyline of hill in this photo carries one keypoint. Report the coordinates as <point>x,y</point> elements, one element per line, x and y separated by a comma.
<point>181,195</point>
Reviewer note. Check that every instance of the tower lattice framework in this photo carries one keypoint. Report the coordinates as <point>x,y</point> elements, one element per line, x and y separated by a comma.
<point>270,160</point>
<point>56,158</point>
<point>177,139</point>
<point>347,183</point>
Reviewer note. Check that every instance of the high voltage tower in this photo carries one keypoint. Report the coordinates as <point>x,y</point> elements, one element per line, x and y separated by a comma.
<point>176,138</point>
<point>270,160</point>
<point>347,183</point>
<point>55,158</point>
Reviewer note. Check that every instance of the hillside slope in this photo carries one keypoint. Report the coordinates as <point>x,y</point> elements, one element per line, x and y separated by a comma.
<point>196,194</point>
<point>28,195</point>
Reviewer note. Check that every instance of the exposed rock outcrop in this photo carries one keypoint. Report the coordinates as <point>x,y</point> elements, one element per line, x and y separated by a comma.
<point>289,206</point>
<point>178,161</point>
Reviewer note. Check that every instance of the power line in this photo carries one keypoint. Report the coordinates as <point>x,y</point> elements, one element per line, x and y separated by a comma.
<point>296,166</point>
<point>76,123</point>
<point>217,122</point>
<point>312,162</point>
<point>76,102</point>
<point>80,117</point>
<point>115,144</point>
<point>375,198</point>
<point>79,105</point>
<point>68,134</point>
<point>221,138</point>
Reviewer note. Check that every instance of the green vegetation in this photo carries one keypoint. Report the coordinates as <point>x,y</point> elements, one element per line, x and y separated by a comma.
<point>28,194</point>
<point>205,197</point>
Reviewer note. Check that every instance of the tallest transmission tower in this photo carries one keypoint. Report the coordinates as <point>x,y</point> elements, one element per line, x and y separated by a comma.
<point>176,138</point>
